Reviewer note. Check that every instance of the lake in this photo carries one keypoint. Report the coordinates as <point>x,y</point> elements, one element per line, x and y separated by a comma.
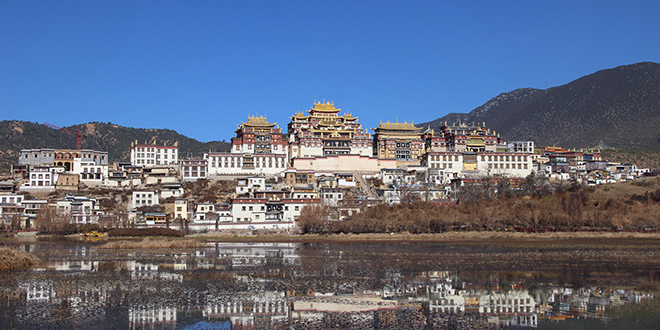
<point>562,284</point>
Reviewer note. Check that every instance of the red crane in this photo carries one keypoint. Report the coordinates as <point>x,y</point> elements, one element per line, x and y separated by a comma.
<point>78,135</point>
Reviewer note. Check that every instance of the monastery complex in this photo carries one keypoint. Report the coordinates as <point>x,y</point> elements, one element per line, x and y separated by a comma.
<point>324,139</point>
<point>325,157</point>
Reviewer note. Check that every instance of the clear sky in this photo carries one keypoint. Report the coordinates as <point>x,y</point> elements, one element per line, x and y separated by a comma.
<point>201,67</point>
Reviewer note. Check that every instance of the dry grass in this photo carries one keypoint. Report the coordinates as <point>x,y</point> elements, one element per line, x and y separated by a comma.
<point>153,243</point>
<point>11,259</point>
<point>622,190</point>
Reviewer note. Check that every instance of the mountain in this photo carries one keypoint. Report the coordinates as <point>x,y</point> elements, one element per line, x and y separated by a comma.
<point>619,107</point>
<point>115,139</point>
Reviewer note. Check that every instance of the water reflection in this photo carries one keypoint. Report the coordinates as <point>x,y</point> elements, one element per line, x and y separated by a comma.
<point>300,286</point>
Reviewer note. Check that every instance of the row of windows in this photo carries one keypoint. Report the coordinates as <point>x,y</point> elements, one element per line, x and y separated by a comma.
<point>258,162</point>
<point>512,166</point>
<point>263,208</point>
<point>12,199</point>
<point>151,149</point>
<point>145,195</point>
<point>444,165</point>
<point>484,158</point>
<point>504,158</point>
<point>444,158</point>
<point>40,183</point>
<point>143,155</point>
<point>194,174</point>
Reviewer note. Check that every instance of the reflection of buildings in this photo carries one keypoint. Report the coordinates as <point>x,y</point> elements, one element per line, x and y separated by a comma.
<point>149,271</point>
<point>248,310</point>
<point>73,265</point>
<point>38,291</point>
<point>153,292</point>
<point>257,254</point>
<point>152,317</point>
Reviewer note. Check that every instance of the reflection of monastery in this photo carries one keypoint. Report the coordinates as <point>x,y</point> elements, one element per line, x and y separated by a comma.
<point>447,297</point>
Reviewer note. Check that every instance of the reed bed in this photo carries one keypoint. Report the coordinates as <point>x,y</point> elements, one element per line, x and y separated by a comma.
<point>11,259</point>
<point>150,243</point>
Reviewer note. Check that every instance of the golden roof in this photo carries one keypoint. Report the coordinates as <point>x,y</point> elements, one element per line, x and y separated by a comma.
<point>299,115</point>
<point>405,126</point>
<point>257,121</point>
<point>324,107</point>
<point>348,116</point>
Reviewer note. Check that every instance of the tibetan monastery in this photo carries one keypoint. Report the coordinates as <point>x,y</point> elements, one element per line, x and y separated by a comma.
<point>257,148</point>
<point>463,137</point>
<point>323,132</point>
<point>401,141</point>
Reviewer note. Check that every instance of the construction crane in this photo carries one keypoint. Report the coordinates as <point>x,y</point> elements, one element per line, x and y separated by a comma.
<point>78,135</point>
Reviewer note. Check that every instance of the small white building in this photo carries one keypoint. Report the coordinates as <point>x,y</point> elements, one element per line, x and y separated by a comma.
<point>521,146</point>
<point>182,208</point>
<point>193,169</point>
<point>93,175</point>
<point>79,209</point>
<point>144,198</point>
<point>250,184</point>
<point>41,178</point>
<point>331,196</point>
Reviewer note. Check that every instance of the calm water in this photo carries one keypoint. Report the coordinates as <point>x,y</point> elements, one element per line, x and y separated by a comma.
<point>567,285</point>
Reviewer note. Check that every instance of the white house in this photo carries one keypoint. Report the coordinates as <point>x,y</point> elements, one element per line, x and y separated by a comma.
<point>80,209</point>
<point>148,155</point>
<point>144,198</point>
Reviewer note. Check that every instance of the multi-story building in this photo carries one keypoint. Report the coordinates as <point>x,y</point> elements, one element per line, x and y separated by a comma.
<point>144,198</point>
<point>79,209</point>
<point>149,155</point>
<point>259,137</point>
<point>474,164</point>
<point>183,207</point>
<point>12,209</point>
<point>462,137</point>
<point>269,212</point>
<point>258,148</point>
<point>41,178</point>
<point>61,157</point>
<point>193,169</point>
<point>521,146</point>
<point>250,185</point>
<point>401,141</point>
<point>323,132</point>
<point>91,174</point>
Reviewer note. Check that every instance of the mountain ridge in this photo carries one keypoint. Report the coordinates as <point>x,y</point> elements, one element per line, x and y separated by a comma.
<point>618,106</point>
<point>115,139</point>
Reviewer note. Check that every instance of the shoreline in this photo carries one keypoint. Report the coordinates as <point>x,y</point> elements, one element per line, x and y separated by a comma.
<point>472,237</point>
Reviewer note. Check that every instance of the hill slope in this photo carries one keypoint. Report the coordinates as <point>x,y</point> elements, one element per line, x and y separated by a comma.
<point>115,139</point>
<point>619,106</point>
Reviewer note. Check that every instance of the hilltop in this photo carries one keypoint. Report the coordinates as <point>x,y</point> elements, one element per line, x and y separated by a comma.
<point>115,139</point>
<point>618,108</point>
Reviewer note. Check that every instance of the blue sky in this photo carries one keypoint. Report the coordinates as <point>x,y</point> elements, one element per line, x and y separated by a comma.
<point>201,67</point>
